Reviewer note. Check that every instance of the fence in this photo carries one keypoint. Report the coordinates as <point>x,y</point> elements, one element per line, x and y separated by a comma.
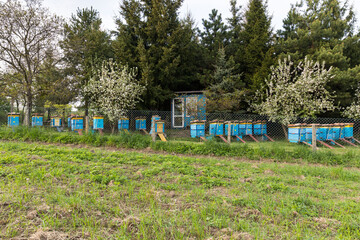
<point>274,130</point>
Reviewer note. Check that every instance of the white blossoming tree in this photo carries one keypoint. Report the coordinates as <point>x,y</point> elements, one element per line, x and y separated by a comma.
<point>353,111</point>
<point>113,89</point>
<point>295,91</point>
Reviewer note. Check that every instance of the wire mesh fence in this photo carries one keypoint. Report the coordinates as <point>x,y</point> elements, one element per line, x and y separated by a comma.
<point>175,126</point>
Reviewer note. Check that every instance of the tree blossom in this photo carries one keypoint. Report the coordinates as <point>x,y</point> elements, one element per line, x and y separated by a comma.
<point>353,111</point>
<point>113,89</point>
<point>295,91</point>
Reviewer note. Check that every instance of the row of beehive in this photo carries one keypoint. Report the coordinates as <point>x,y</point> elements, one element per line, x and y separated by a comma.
<point>237,128</point>
<point>77,122</point>
<point>324,132</point>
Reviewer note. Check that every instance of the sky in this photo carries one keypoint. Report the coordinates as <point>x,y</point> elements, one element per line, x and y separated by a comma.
<point>199,9</point>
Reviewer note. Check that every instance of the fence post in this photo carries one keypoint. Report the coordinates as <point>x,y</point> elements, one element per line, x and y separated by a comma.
<point>229,132</point>
<point>314,148</point>
<point>153,133</point>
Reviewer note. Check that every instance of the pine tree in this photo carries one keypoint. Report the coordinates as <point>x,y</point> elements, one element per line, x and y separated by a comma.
<point>129,32</point>
<point>257,40</point>
<point>215,35</point>
<point>235,23</point>
<point>84,45</point>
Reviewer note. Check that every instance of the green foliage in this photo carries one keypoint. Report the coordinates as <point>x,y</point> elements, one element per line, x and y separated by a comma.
<point>215,34</point>
<point>255,57</point>
<point>85,45</point>
<point>52,86</point>
<point>323,31</point>
<point>226,90</point>
<point>152,38</point>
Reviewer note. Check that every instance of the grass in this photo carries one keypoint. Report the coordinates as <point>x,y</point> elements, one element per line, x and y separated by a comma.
<point>279,151</point>
<point>91,193</point>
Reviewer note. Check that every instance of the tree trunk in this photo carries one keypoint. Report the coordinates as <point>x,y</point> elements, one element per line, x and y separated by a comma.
<point>27,118</point>
<point>285,131</point>
<point>12,105</point>
<point>113,127</point>
<point>49,114</point>
<point>86,105</point>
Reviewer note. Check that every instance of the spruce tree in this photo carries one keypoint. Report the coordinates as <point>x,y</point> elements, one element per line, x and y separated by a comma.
<point>235,23</point>
<point>226,93</point>
<point>214,36</point>
<point>257,40</point>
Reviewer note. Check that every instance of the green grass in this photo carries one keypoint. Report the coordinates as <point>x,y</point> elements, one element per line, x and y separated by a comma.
<point>279,151</point>
<point>105,194</point>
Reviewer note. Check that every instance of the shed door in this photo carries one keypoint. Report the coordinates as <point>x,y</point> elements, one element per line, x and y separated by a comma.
<point>178,113</point>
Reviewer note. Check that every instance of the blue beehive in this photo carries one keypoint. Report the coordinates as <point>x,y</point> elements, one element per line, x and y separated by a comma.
<point>234,128</point>
<point>342,130</point>
<point>264,128</point>
<point>55,121</point>
<point>330,132</point>
<point>249,127</point>
<point>77,123</point>
<point>197,129</point>
<point>258,128</point>
<point>336,131</point>
<point>13,119</point>
<point>303,132</point>
<point>37,120</point>
<point>308,133</point>
<point>322,132</point>
<point>216,128</point>
<point>242,128</point>
<point>98,122</point>
<point>140,123</point>
<point>123,124</point>
<point>153,122</point>
<point>294,133</point>
<point>349,130</point>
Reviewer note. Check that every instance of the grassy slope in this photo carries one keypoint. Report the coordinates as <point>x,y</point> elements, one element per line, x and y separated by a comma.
<point>101,194</point>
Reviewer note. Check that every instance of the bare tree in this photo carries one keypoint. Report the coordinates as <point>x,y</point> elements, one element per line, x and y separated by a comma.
<point>28,32</point>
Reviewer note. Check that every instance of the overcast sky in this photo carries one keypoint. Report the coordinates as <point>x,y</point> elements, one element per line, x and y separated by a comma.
<point>198,8</point>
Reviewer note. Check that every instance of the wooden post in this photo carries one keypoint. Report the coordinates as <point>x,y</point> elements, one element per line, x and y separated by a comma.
<point>314,148</point>
<point>153,133</point>
<point>229,132</point>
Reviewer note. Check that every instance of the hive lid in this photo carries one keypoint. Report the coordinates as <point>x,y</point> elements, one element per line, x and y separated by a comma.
<point>77,116</point>
<point>141,118</point>
<point>217,121</point>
